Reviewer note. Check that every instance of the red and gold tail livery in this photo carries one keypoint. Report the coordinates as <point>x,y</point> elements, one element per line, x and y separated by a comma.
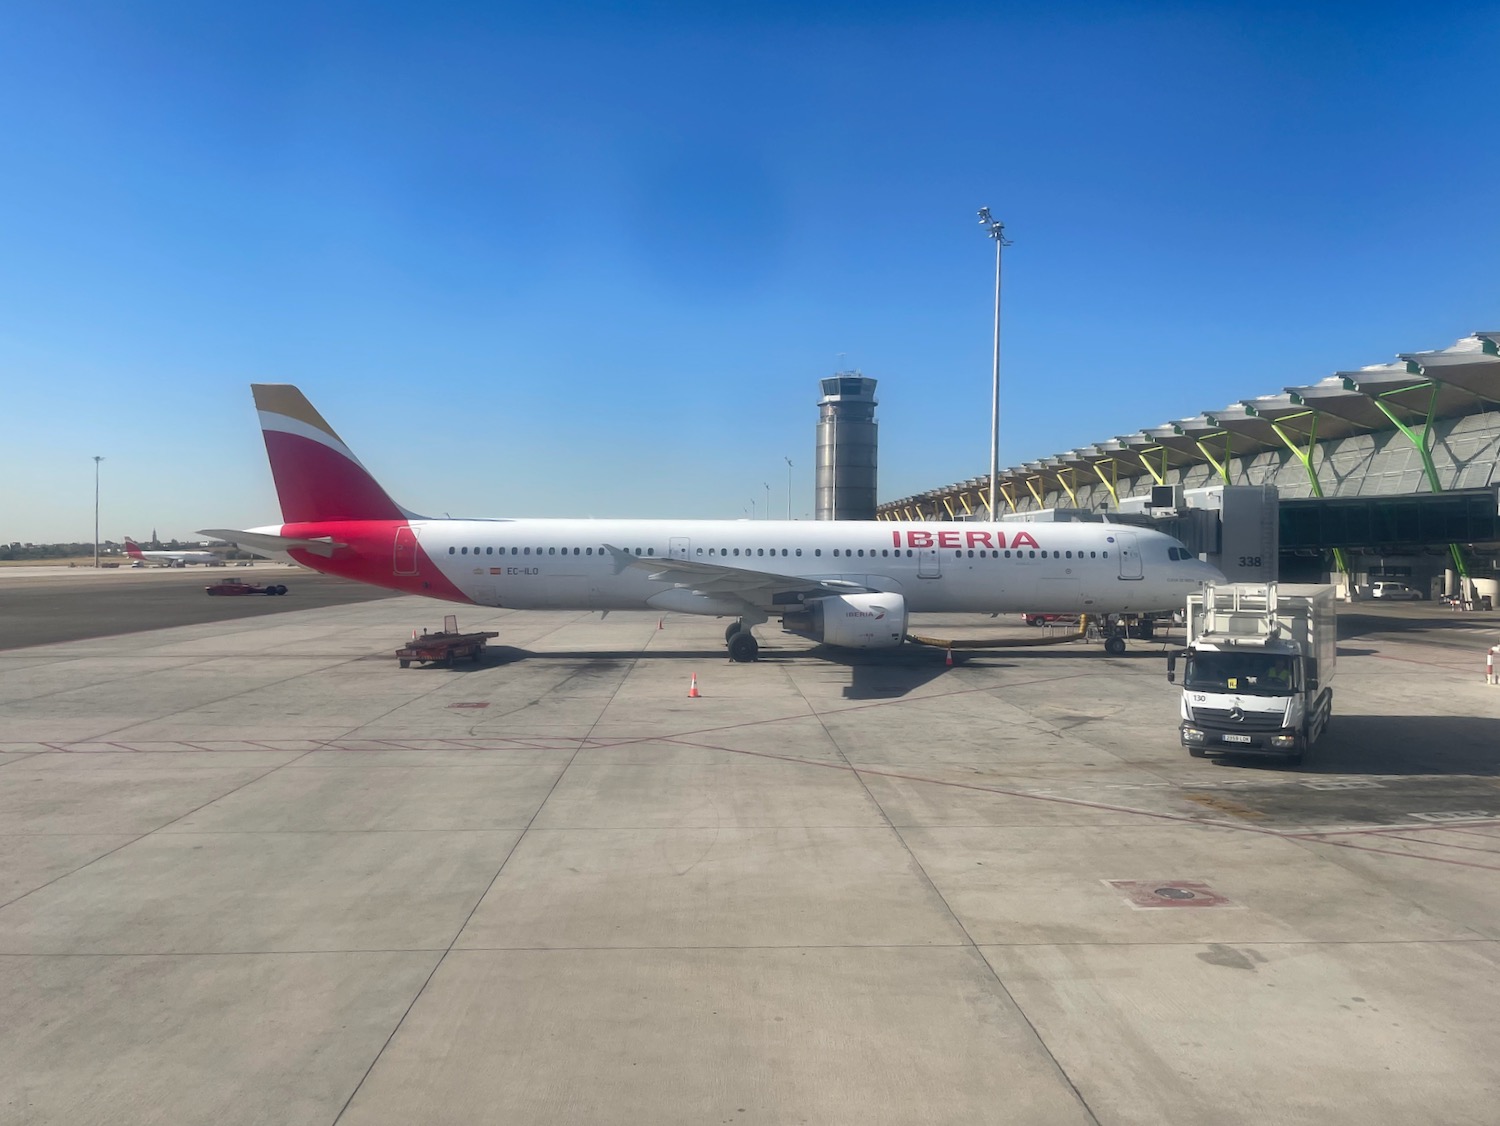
<point>318,478</point>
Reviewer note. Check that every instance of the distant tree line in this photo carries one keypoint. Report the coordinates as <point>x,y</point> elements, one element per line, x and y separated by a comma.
<point>15,551</point>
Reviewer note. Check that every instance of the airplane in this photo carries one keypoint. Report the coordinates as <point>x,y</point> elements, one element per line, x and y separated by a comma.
<point>172,558</point>
<point>851,584</point>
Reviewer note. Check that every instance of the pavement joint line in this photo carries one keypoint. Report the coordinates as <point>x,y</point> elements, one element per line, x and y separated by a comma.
<point>1202,822</point>
<point>1002,791</point>
<point>330,951</point>
<point>1426,664</point>
<point>251,690</point>
<point>1031,794</point>
<point>147,833</point>
<point>954,916</point>
<point>458,932</point>
<point>814,713</point>
<point>1476,939</point>
<point>21,756</point>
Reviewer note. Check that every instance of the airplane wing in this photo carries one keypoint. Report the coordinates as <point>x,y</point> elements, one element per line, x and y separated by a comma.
<point>719,578</point>
<point>259,541</point>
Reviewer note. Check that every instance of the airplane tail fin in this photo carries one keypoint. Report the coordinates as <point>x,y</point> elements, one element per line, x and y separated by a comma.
<point>133,549</point>
<point>317,477</point>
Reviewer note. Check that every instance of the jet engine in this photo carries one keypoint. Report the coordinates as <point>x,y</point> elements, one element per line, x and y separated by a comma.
<point>854,621</point>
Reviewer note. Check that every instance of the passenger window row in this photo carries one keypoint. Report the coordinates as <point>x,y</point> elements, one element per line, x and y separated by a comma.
<point>846,553</point>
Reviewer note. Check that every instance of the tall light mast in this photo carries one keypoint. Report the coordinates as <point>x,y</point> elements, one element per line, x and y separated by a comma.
<point>996,230</point>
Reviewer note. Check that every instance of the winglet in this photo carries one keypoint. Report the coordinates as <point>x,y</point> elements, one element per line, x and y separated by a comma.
<point>622,558</point>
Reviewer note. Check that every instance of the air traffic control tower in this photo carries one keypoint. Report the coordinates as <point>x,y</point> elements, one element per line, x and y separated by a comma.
<point>848,443</point>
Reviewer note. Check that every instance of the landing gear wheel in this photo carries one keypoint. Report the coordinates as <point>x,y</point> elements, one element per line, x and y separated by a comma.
<point>1114,645</point>
<point>743,647</point>
<point>733,628</point>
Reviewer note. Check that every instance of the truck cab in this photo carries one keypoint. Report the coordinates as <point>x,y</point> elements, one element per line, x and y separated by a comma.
<point>1258,670</point>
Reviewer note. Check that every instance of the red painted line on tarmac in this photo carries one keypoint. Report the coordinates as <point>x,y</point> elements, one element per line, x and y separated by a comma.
<point>1381,830</point>
<point>1408,855</point>
<point>1082,803</point>
<point>443,744</point>
<point>1153,815</point>
<point>1467,832</point>
<point>73,749</point>
<point>819,716</point>
<point>1441,844</point>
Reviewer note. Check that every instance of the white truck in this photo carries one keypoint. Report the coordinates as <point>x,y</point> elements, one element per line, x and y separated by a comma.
<point>1258,678</point>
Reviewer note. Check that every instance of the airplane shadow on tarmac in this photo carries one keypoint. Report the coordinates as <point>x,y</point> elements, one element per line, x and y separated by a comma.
<point>875,674</point>
<point>1399,744</point>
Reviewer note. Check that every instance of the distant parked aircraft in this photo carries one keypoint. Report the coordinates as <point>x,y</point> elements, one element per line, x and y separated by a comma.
<point>172,558</point>
<point>847,583</point>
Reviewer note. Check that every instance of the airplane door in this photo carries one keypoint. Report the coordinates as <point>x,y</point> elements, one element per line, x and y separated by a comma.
<point>1130,556</point>
<point>929,563</point>
<point>405,560</point>
<point>678,547</point>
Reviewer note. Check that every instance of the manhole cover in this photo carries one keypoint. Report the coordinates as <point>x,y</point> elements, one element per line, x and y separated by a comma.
<point>1145,894</point>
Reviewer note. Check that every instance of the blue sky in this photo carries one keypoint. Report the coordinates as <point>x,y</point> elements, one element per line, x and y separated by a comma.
<point>592,259</point>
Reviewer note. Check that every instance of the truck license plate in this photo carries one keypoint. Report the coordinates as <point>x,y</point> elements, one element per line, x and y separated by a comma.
<point>1237,739</point>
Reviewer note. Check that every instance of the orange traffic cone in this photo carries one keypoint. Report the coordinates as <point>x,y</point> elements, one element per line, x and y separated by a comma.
<point>693,688</point>
<point>949,661</point>
<point>658,623</point>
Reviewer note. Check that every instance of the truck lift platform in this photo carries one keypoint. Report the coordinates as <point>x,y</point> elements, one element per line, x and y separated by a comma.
<point>446,647</point>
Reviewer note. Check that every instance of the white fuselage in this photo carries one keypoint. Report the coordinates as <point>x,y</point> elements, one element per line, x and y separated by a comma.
<point>962,567</point>
<point>173,558</point>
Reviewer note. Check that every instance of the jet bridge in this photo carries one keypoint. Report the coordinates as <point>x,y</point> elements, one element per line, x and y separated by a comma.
<point>1237,528</point>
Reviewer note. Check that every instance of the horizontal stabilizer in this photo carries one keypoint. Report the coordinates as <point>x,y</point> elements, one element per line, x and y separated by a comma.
<point>261,541</point>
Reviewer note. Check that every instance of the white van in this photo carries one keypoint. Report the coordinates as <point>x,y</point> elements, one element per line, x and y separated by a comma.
<point>1394,591</point>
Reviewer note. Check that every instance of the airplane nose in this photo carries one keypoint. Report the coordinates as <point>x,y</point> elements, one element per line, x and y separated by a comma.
<point>1212,574</point>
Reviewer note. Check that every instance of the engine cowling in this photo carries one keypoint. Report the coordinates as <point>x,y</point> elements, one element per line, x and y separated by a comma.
<point>853,621</point>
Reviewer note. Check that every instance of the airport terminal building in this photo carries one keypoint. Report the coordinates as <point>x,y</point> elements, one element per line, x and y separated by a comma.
<point>1387,471</point>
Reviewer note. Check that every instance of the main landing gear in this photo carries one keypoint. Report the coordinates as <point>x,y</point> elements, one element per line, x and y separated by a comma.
<point>743,647</point>
<point>1116,628</point>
